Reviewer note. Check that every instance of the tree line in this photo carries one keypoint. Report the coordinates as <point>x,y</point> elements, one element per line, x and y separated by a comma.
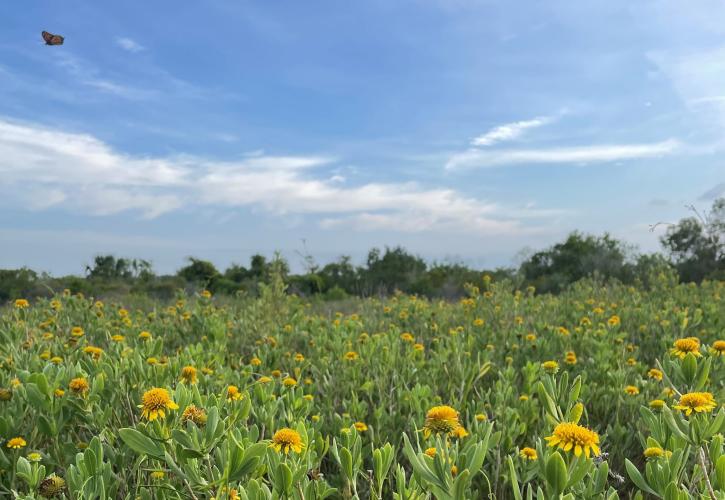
<point>694,248</point>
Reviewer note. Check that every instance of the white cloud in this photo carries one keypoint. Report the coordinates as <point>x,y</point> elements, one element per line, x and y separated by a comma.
<point>81,173</point>
<point>129,44</point>
<point>583,154</point>
<point>509,131</point>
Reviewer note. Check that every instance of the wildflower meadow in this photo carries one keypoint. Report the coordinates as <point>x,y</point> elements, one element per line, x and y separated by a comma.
<point>600,392</point>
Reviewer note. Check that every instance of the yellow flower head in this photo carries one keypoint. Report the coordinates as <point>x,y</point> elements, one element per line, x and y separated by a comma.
<point>656,452</point>
<point>528,453</point>
<point>79,386</point>
<point>255,362</point>
<point>569,435</point>
<point>193,413</point>
<point>419,347</point>
<point>233,393</point>
<point>264,380</point>
<point>51,486</point>
<point>718,348</point>
<point>550,366</point>
<point>407,337</point>
<point>570,358</point>
<point>299,357</point>
<point>205,294</point>
<point>21,304</point>
<point>95,352</point>
<point>683,346</point>
<point>656,404</point>
<point>431,452</point>
<point>655,374</point>
<point>351,356</point>
<point>287,439</point>
<point>144,335</point>
<point>631,390</point>
<point>16,443</point>
<point>188,375</point>
<point>480,417</point>
<point>700,402</point>
<point>118,338</point>
<point>289,382</point>
<point>158,475</point>
<point>441,420</point>
<point>360,426</point>
<point>77,331</point>
<point>35,456</point>
<point>155,402</point>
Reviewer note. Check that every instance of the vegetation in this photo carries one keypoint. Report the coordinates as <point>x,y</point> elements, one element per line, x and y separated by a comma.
<point>695,248</point>
<point>600,392</point>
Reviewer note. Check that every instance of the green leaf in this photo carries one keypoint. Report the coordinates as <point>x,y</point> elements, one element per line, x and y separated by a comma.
<point>140,443</point>
<point>637,478</point>
<point>556,473</point>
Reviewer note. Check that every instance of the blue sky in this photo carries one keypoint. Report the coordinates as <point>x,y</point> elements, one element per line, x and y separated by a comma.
<point>461,129</point>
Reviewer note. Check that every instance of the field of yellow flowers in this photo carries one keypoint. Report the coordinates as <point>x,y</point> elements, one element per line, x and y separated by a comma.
<point>601,392</point>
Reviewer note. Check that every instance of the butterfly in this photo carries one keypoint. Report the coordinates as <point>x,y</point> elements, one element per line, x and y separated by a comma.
<point>51,39</point>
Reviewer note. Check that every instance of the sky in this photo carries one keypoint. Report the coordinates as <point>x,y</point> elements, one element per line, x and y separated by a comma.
<point>473,131</point>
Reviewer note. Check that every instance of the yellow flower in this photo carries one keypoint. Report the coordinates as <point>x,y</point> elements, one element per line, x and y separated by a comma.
<point>351,356</point>
<point>289,382</point>
<point>431,452</point>
<point>563,331</point>
<point>205,294</point>
<point>454,469</point>
<point>655,374</point>
<point>528,453</point>
<point>51,486</point>
<point>531,337</point>
<point>459,432</point>
<point>656,404</point>
<point>118,338</point>
<point>360,426</point>
<point>550,366</point>
<point>188,375</point>
<point>287,439</point>
<point>299,357</point>
<point>77,331</point>
<point>35,456</point>
<point>264,380</point>
<point>613,321</point>
<point>59,393</point>
<point>570,358</point>
<point>686,345</point>
<point>155,402</point>
<point>480,417</point>
<point>21,304</point>
<point>631,390</point>
<point>441,420</point>
<point>655,452</point>
<point>16,443</point>
<point>79,386</point>
<point>718,348</point>
<point>700,402</point>
<point>407,337</point>
<point>233,393</point>
<point>95,352</point>
<point>255,362</point>
<point>144,335</point>
<point>631,361</point>
<point>478,322</point>
<point>151,361</point>
<point>569,435</point>
<point>276,373</point>
<point>158,475</point>
<point>192,413</point>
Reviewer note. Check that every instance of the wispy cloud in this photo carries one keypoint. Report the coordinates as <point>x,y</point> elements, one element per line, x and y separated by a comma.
<point>81,173</point>
<point>509,131</point>
<point>714,192</point>
<point>476,158</point>
<point>129,44</point>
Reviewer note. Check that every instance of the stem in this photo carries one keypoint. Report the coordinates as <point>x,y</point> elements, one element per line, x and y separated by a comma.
<point>703,465</point>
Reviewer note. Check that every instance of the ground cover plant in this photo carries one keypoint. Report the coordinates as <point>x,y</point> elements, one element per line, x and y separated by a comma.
<point>599,392</point>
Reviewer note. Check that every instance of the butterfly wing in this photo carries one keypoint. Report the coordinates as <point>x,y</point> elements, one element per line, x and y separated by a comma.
<point>51,39</point>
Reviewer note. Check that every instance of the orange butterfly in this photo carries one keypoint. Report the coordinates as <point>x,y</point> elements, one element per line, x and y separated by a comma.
<point>51,39</point>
